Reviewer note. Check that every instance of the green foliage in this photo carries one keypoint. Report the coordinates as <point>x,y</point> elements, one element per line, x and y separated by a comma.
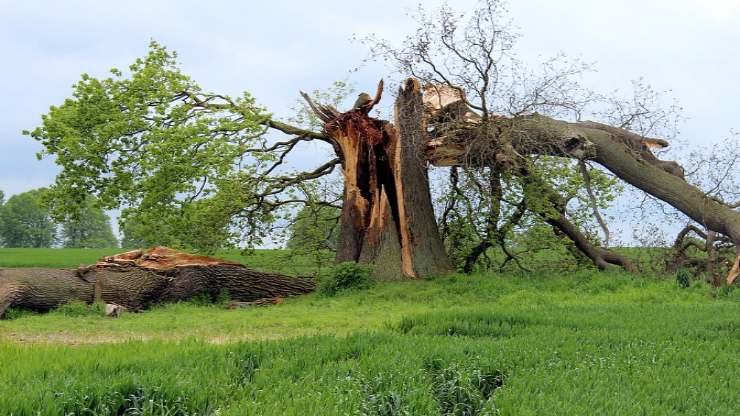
<point>129,400</point>
<point>483,207</point>
<point>25,221</point>
<point>137,235</point>
<point>77,309</point>
<point>315,228</point>
<point>343,277</point>
<point>460,238</point>
<point>463,391</point>
<point>88,228</point>
<point>536,344</point>
<point>147,142</point>
<point>683,277</point>
<point>16,313</point>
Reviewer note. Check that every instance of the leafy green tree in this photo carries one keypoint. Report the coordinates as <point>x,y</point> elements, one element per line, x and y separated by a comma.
<point>172,157</point>
<point>88,228</point>
<point>26,222</point>
<point>2,201</point>
<point>186,167</point>
<point>135,235</point>
<point>315,227</point>
<point>191,168</point>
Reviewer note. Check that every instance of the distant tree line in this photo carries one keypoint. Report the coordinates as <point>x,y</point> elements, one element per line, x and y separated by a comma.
<point>25,221</point>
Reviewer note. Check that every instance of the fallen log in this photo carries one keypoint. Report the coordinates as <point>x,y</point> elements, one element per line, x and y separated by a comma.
<point>138,279</point>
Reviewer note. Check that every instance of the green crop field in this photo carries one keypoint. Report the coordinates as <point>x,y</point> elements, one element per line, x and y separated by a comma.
<point>583,343</point>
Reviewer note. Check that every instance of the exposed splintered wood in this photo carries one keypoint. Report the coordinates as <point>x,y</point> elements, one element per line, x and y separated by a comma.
<point>439,127</point>
<point>135,280</point>
<point>157,259</point>
<point>734,271</point>
<point>387,218</point>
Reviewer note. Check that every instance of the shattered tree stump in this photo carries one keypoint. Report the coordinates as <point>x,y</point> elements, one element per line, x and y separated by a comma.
<point>387,218</point>
<point>138,279</point>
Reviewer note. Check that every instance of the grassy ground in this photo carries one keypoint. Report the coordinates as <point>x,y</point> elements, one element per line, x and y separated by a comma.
<point>584,343</point>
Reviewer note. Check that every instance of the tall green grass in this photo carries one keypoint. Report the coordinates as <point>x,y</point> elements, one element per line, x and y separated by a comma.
<point>652,360</point>
<point>577,343</point>
<point>586,343</point>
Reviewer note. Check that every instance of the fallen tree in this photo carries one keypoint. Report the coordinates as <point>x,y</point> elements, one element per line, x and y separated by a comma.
<point>139,279</point>
<point>198,168</point>
<point>379,180</point>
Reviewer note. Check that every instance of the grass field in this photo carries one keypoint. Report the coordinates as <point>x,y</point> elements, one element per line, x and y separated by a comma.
<point>579,344</point>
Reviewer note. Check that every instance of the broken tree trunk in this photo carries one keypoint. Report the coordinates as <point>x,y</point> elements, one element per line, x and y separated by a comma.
<point>387,218</point>
<point>138,279</point>
<point>601,257</point>
<point>613,148</point>
<point>502,142</point>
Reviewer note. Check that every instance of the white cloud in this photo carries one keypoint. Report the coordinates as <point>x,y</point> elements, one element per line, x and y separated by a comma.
<point>721,12</point>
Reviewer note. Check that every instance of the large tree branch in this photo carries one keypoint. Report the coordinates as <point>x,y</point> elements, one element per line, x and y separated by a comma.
<point>593,202</point>
<point>224,103</point>
<point>502,140</point>
<point>602,258</point>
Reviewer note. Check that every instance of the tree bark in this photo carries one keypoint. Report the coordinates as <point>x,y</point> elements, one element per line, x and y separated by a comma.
<point>138,279</point>
<point>499,140</point>
<point>681,245</point>
<point>387,218</point>
<point>601,257</point>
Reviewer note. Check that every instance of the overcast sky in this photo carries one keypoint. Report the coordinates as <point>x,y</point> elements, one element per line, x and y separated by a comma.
<point>275,48</point>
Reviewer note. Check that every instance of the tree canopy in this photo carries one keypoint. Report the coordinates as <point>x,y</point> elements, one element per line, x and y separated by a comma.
<point>25,222</point>
<point>315,228</point>
<point>89,227</point>
<point>179,162</point>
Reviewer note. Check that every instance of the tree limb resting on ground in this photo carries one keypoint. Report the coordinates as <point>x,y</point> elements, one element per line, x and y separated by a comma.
<point>504,141</point>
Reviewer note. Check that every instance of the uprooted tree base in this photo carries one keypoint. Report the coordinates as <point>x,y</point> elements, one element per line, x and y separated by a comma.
<point>138,279</point>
